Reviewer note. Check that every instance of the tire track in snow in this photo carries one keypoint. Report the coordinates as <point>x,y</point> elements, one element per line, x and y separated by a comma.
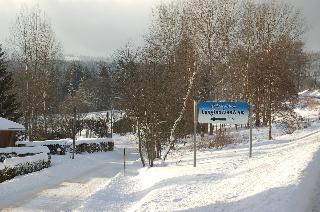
<point>56,192</point>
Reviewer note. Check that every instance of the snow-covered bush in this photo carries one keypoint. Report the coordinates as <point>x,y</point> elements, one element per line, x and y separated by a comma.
<point>290,121</point>
<point>15,166</point>
<point>10,152</point>
<point>94,147</point>
<point>82,145</point>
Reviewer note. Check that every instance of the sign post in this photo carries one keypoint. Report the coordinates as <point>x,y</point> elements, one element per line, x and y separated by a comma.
<point>250,137</point>
<point>224,113</point>
<point>195,122</point>
<point>124,161</point>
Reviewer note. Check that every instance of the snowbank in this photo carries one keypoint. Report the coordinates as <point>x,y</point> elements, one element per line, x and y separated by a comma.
<point>61,142</point>
<point>65,142</point>
<point>25,150</point>
<point>12,162</point>
<point>314,93</point>
<point>302,199</point>
<point>279,177</point>
<point>303,92</point>
<point>6,124</point>
<point>310,93</point>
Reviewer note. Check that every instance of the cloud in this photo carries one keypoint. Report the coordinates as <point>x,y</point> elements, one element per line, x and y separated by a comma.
<point>89,27</point>
<point>99,27</point>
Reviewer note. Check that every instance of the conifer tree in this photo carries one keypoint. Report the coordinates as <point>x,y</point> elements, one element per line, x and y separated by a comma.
<point>8,104</point>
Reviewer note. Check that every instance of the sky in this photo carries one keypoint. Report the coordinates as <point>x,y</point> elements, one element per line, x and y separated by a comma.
<point>99,27</point>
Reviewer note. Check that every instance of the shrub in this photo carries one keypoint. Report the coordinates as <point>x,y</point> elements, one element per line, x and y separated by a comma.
<point>218,140</point>
<point>94,147</point>
<point>290,121</point>
<point>10,152</point>
<point>15,166</point>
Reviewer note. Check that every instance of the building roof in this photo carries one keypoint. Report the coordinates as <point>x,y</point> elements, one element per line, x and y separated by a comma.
<point>7,125</point>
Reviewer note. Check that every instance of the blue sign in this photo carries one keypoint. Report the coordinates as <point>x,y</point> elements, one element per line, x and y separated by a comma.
<point>223,112</point>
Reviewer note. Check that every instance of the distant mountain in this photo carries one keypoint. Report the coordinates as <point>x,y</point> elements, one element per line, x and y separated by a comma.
<point>86,58</point>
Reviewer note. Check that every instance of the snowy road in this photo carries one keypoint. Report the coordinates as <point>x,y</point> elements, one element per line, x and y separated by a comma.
<point>66,184</point>
<point>280,177</point>
<point>316,198</point>
<point>69,193</point>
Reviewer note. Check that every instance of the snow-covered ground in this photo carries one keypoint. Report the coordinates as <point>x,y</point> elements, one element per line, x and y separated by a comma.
<point>283,175</point>
<point>67,183</point>
<point>280,177</point>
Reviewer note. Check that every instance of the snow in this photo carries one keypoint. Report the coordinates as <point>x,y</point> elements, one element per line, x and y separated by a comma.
<point>2,166</point>
<point>93,140</point>
<point>116,114</point>
<point>65,142</point>
<point>46,142</point>
<point>8,125</point>
<point>12,162</point>
<point>277,178</point>
<point>310,93</point>
<point>315,93</point>
<point>25,150</point>
<point>316,199</point>
<point>65,184</point>
<point>71,58</point>
<point>282,175</point>
<point>41,153</point>
<point>303,92</point>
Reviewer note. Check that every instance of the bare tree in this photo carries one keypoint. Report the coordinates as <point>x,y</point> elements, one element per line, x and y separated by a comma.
<point>272,31</point>
<point>35,48</point>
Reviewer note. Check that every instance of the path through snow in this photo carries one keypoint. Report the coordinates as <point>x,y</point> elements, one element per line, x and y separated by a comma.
<point>280,177</point>
<point>66,184</point>
<point>226,180</point>
<point>316,198</point>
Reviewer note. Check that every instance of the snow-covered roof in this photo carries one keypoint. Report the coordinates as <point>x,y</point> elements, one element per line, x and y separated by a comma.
<point>7,125</point>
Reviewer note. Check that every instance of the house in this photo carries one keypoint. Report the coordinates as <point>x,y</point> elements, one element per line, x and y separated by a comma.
<point>8,131</point>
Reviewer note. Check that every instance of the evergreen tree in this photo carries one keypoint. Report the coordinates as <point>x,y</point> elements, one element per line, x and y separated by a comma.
<point>8,104</point>
<point>104,91</point>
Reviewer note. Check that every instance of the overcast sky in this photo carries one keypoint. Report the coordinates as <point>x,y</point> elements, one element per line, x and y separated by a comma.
<point>99,27</point>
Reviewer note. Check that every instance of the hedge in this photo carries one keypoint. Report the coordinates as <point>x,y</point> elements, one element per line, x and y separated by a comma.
<point>82,145</point>
<point>25,163</point>
<point>8,173</point>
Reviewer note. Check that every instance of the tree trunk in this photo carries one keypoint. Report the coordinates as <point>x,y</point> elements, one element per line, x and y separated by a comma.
<point>182,112</point>
<point>270,127</point>
<point>140,146</point>
<point>210,129</point>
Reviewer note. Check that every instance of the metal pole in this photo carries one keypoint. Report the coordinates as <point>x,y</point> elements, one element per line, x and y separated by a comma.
<point>124,160</point>
<point>250,123</point>
<point>195,122</point>
<point>74,132</point>
<point>111,124</point>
